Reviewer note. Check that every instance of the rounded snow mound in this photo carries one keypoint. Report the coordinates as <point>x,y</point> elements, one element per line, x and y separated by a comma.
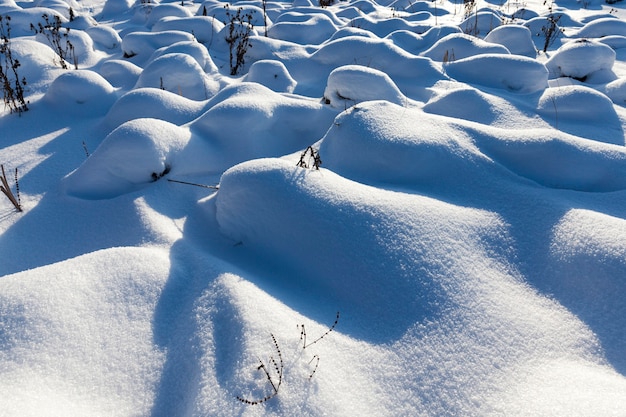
<point>272,74</point>
<point>178,73</point>
<point>481,22</point>
<point>35,59</point>
<point>312,29</point>
<point>120,73</point>
<point>578,104</point>
<point>379,141</point>
<point>352,84</point>
<point>143,44</point>
<point>616,91</point>
<point>464,103</point>
<point>515,73</point>
<point>251,121</point>
<point>459,46</point>
<point>194,49</point>
<point>602,27</point>
<point>580,58</point>
<point>203,28</point>
<point>161,11</point>
<point>115,7</point>
<point>81,92</point>
<point>153,103</point>
<point>516,38</point>
<point>105,36</point>
<point>133,155</point>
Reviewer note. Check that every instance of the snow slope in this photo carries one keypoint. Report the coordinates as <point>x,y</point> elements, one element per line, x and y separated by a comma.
<point>459,251</point>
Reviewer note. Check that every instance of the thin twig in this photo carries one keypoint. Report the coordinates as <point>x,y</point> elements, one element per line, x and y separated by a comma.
<point>7,190</point>
<point>278,367</point>
<point>213,187</point>
<point>303,334</point>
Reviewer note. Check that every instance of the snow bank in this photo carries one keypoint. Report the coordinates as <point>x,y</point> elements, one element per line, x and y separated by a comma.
<point>132,156</point>
<point>510,72</point>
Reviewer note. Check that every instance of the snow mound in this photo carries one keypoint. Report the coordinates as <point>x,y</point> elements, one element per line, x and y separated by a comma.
<point>616,91</point>
<point>178,73</point>
<point>161,11</point>
<point>383,142</point>
<point>153,103</point>
<point>272,74</point>
<point>411,73</point>
<point>514,73</point>
<point>81,92</point>
<point>104,36</point>
<point>203,28</point>
<point>580,58</point>
<point>140,45</point>
<point>36,63</point>
<point>132,156</point>
<point>481,22</point>
<point>120,73</point>
<point>383,27</point>
<point>194,49</point>
<point>556,159</point>
<point>459,46</point>
<point>577,104</point>
<point>352,84</point>
<point>302,29</point>
<point>252,121</point>
<point>22,19</point>
<point>599,28</point>
<point>464,103</point>
<point>516,38</point>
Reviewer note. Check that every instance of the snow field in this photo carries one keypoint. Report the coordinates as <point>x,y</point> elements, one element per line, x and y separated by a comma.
<point>467,220</point>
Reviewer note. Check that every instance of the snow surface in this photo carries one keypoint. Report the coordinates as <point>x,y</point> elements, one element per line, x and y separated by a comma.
<point>465,232</point>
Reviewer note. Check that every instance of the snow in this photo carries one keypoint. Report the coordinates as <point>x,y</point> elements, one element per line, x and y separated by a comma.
<point>460,251</point>
<point>580,58</point>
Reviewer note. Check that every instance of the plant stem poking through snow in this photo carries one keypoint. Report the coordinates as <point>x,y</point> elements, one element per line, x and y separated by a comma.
<point>239,31</point>
<point>305,162</point>
<point>278,371</point>
<point>277,368</point>
<point>58,39</point>
<point>315,358</point>
<point>552,31</point>
<point>13,88</point>
<point>4,187</point>
<point>303,334</point>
